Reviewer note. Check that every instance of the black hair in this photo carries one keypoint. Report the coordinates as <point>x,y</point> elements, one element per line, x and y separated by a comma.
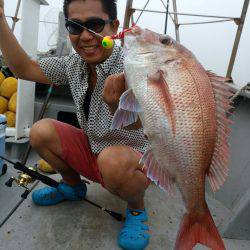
<point>109,7</point>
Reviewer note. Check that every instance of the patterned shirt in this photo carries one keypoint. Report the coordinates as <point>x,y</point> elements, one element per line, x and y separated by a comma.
<point>73,70</point>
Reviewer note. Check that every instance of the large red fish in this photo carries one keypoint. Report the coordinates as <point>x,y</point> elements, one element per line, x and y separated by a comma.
<point>183,111</point>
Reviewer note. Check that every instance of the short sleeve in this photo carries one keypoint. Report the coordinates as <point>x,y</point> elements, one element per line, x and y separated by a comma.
<point>54,69</point>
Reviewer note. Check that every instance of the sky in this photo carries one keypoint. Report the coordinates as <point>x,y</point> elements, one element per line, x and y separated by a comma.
<point>211,43</point>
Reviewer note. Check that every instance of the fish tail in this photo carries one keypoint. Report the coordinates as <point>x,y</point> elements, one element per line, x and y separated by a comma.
<point>201,229</point>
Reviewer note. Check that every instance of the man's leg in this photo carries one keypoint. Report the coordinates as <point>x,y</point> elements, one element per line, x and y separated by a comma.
<point>45,140</point>
<point>122,174</point>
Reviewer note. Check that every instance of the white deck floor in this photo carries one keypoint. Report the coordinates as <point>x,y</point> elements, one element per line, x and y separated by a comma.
<point>79,225</point>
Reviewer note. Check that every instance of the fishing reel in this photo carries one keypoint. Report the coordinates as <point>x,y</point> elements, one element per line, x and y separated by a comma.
<point>23,180</point>
<point>30,174</point>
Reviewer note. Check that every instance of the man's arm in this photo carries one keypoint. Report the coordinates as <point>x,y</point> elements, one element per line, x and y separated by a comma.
<point>17,60</point>
<point>114,86</point>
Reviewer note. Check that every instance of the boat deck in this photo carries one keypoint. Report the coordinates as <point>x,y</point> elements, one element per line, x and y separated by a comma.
<point>79,225</point>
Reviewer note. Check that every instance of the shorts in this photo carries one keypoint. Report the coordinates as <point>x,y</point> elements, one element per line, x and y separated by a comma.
<point>76,151</point>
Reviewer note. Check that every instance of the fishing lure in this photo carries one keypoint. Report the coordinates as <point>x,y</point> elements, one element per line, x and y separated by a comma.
<point>108,41</point>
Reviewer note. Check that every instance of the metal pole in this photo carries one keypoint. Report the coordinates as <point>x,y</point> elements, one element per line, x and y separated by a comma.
<point>128,14</point>
<point>207,22</point>
<point>185,14</point>
<point>237,39</point>
<point>15,19</point>
<point>176,24</point>
<point>166,21</point>
<point>142,12</point>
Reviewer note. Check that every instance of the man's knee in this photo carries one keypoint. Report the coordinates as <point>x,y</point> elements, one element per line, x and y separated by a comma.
<point>117,164</point>
<point>41,133</point>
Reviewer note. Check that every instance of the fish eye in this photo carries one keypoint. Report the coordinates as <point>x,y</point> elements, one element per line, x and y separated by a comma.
<point>166,40</point>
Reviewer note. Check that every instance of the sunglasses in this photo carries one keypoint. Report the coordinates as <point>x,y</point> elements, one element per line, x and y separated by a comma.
<point>76,27</point>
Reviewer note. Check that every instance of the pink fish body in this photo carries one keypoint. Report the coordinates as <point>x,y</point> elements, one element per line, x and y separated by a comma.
<point>183,110</point>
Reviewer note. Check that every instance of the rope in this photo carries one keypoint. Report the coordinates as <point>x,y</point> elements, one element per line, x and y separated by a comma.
<point>168,11</point>
<point>142,12</point>
<point>18,19</point>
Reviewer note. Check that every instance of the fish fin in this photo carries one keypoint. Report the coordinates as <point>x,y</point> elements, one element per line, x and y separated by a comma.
<point>196,229</point>
<point>158,82</point>
<point>157,174</point>
<point>128,102</point>
<point>123,118</point>
<point>218,170</point>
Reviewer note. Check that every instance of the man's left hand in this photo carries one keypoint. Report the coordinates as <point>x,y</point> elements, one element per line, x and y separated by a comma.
<point>114,86</point>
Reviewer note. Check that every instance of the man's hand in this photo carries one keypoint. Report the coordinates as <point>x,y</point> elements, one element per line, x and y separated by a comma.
<point>1,8</point>
<point>114,86</point>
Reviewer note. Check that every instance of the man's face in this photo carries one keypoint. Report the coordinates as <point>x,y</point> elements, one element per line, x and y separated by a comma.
<point>87,45</point>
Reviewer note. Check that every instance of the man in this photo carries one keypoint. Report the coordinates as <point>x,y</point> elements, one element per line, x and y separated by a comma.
<point>96,82</point>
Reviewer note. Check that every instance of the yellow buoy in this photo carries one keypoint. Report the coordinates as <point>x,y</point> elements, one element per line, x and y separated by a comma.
<point>3,105</point>
<point>2,77</point>
<point>8,87</point>
<point>107,42</point>
<point>12,103</point>
<point>45,166</point>
<point>11,118</point>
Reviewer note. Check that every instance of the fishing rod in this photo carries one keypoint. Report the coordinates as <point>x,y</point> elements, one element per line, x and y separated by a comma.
<point>30,175</point>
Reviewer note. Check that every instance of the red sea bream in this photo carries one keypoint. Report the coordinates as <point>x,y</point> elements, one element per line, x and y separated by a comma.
<point>183,111</point>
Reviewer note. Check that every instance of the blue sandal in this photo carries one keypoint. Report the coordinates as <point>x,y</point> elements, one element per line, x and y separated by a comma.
<point>133,236</point>
<point>51,196</point>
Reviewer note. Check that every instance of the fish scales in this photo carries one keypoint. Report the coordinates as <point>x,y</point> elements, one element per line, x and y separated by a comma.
<point>182,109</point>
